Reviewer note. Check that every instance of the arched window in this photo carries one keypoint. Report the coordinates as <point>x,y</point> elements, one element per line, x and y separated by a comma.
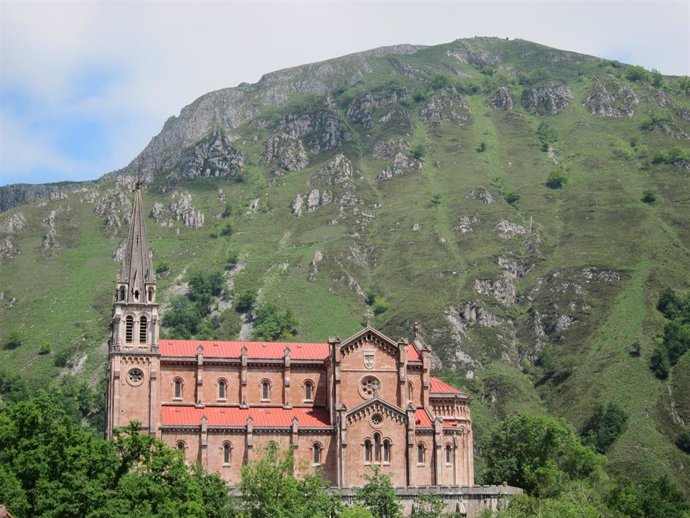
<point>377,447</point>
<point>222,389</point>
<point>367,450</point>
<point>420,454</point>
<point>143,322</point>
<point>265,390</point>
<point>181,446</point>
<point>386,451</point>
<point>317,453</point>
<point>227,449</point>
<point>410,391</point>
<point>129,329</point>
<point>136,294</point>
<point>177,388</point>
<point>308,390</point>
<point>449,454</point>
<point>123,293</point>
<point>150,291</point>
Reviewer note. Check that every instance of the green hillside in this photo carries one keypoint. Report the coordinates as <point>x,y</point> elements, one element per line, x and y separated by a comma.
<point>525,205</point>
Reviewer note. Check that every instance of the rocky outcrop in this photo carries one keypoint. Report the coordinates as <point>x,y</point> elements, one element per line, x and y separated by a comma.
<point>609,98</point>
<point>7,249</point>
<point>482,195</point>
<point>503,290</point>
<point>50,243</point>
<point>183,210</point>
<point>212,156</point>
<point>322,130</point>
<point>388,148</point>
<point>338,171</point>
<point>474,56</point>
<point>286,152</point>
<point>312,201</point>
<point>548,99</point>
<point>13,224</point>
<point>19,193</point>
<point>445,106</point>
<point>502,100</point>
<point>115,207</point>
<point>401,166</point>
<point>361,110</point>
<point>465,224</point>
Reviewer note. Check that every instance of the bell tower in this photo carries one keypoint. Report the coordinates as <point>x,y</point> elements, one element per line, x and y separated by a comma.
<point>133,355</point>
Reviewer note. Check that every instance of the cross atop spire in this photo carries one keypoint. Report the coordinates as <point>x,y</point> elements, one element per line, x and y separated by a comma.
<point>137,268</point>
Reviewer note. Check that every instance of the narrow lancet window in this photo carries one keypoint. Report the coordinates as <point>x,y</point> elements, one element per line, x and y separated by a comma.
<point>143,322</point>
<point>129,329</point>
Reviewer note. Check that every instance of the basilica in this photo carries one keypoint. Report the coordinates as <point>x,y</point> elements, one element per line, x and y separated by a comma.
<point>341,405</point>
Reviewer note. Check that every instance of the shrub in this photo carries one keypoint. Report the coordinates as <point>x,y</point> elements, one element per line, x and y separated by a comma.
<point>481,147</point>
<point>418,151</point>
<point>162,268</point>
<point>245,302</point>
<point>512,197</point>
<point>556,179</point>
<point>439,81</point>
<point>683,440</point>
<point>231,261</point>
<point>648,196</point>
<point>637,73</point>
<point>44,348</point>
<point>273,324</point>
<point>378,495</point>
<point>659,363</point>
<point>546,135</point>
<point>436,199</point>
<point>604,426</point>
<point>226,230</point>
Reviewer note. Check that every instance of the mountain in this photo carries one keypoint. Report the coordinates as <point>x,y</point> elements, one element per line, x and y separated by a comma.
<point>525,205</point>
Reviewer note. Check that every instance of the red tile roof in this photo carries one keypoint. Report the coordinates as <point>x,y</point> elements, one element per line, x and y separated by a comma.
<point>451,423</point>
<point>421,418</point>
<point>172,415</point>
<point>256,350</point>
<point>441,386</point>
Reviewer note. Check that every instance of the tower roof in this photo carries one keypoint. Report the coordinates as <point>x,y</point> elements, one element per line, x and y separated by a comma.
<point>137,269</point>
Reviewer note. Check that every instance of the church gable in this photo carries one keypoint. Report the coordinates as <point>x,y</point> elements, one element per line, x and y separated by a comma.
<point>374,410</point>
<point>373,341</point>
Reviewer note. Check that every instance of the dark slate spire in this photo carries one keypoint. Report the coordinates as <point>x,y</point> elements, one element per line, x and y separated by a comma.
<point>137,269</point>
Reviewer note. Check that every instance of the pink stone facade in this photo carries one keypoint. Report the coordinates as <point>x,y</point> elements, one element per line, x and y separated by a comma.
<point>340,405</point>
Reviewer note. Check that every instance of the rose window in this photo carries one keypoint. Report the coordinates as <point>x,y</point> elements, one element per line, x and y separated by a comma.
<point>135,376</point>
<point>370,387</point>
<point>376,419</point>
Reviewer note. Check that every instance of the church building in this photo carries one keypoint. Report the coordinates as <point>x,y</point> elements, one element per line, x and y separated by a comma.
<point>341,405</point>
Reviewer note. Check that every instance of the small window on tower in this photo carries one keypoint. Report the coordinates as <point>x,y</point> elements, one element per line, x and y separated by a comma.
<point>222,389</point>
<point>367,450</point>
<point>449,454</point>
<point>420,454</point>
<point>265,390</point>
<point>129,329</point>
<point>386,451</point>
<point>136,294</point>
<point>317,453</point>
<point>151,294</point>
<point>308,391</point>
<point>227,449</point>
<point>177,388</point>
<point>142,329</point>
<point>123,293</point>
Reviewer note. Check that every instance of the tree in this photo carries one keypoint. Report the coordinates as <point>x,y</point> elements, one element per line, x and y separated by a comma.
<point>355,511</point>
<point>273,324</point>
<point>245,302</point>
<point>270,490</point>
<point>604,426</point>
<point>651,498</point>
<point>648,196</point>
<point>538,453</point>
<point>683,440</point>
<point>378,495</point>
<point>428,506</point>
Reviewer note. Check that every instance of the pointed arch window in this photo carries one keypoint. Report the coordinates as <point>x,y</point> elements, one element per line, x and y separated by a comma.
<point>410,391</point>
<point>308,390</point>
<point>123,293</point>
<point>143,329</point>
<point>227,451</point>
<point>177,388</point>
<point>222,389</point>
<point>367,450</point>
<point>386,451</point>
<point>150,293</point>
<point>316,450</point>
<point>265,390</point>
<point>129,329</point>
<point>420,454</point>
<point>377,447</point>
<point>449,454</point>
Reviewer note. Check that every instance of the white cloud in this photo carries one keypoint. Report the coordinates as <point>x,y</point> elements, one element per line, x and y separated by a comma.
<point>158,57</point>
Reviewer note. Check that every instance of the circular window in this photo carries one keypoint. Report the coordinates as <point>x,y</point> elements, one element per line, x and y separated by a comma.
<point>135,377</point>
<point>369,387</point>
<point>376,419</point>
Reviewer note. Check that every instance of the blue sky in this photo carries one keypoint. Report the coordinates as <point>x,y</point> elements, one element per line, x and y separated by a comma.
<point>85,85</point>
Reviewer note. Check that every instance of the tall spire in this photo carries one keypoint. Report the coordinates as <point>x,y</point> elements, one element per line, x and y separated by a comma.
<point>137,269</point>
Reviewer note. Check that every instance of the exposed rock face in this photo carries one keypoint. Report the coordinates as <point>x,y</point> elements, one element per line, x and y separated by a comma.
<point>474,56</point>
<point>50,243</point>
<point>183,210</point>
<point>212,156</point>
<point>322,130</point>
<point>507,229</point>
<point>402,165</point>
<point>473,314</point>
<point>337,171</point>
<point>502,100</point>
<point>547,99</point>
<point>609,98</point>
<point>14,224</point>
<point>286,152</point>
<point>17,194</point>
<point>465,224</point>
<point>446,106</point>
<point>314,200</point>
<point>482,195</point>
<point>503,290</point>
<point>389,148</point>
<point>116,207</point>
<point>361,110</point>
<point>314,266</point>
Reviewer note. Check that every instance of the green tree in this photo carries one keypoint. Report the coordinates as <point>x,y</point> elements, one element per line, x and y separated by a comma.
<point>273,324</point>
<point>428,506</point>
<point>538,453</point>
<point>648,196</point>
<point>378,495</point>
<point>604,426</point>
<point>245,302</point>
<point>651,498</point>
<point>270,490</point>
<point>683,440</point>
<point>556,179</point>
